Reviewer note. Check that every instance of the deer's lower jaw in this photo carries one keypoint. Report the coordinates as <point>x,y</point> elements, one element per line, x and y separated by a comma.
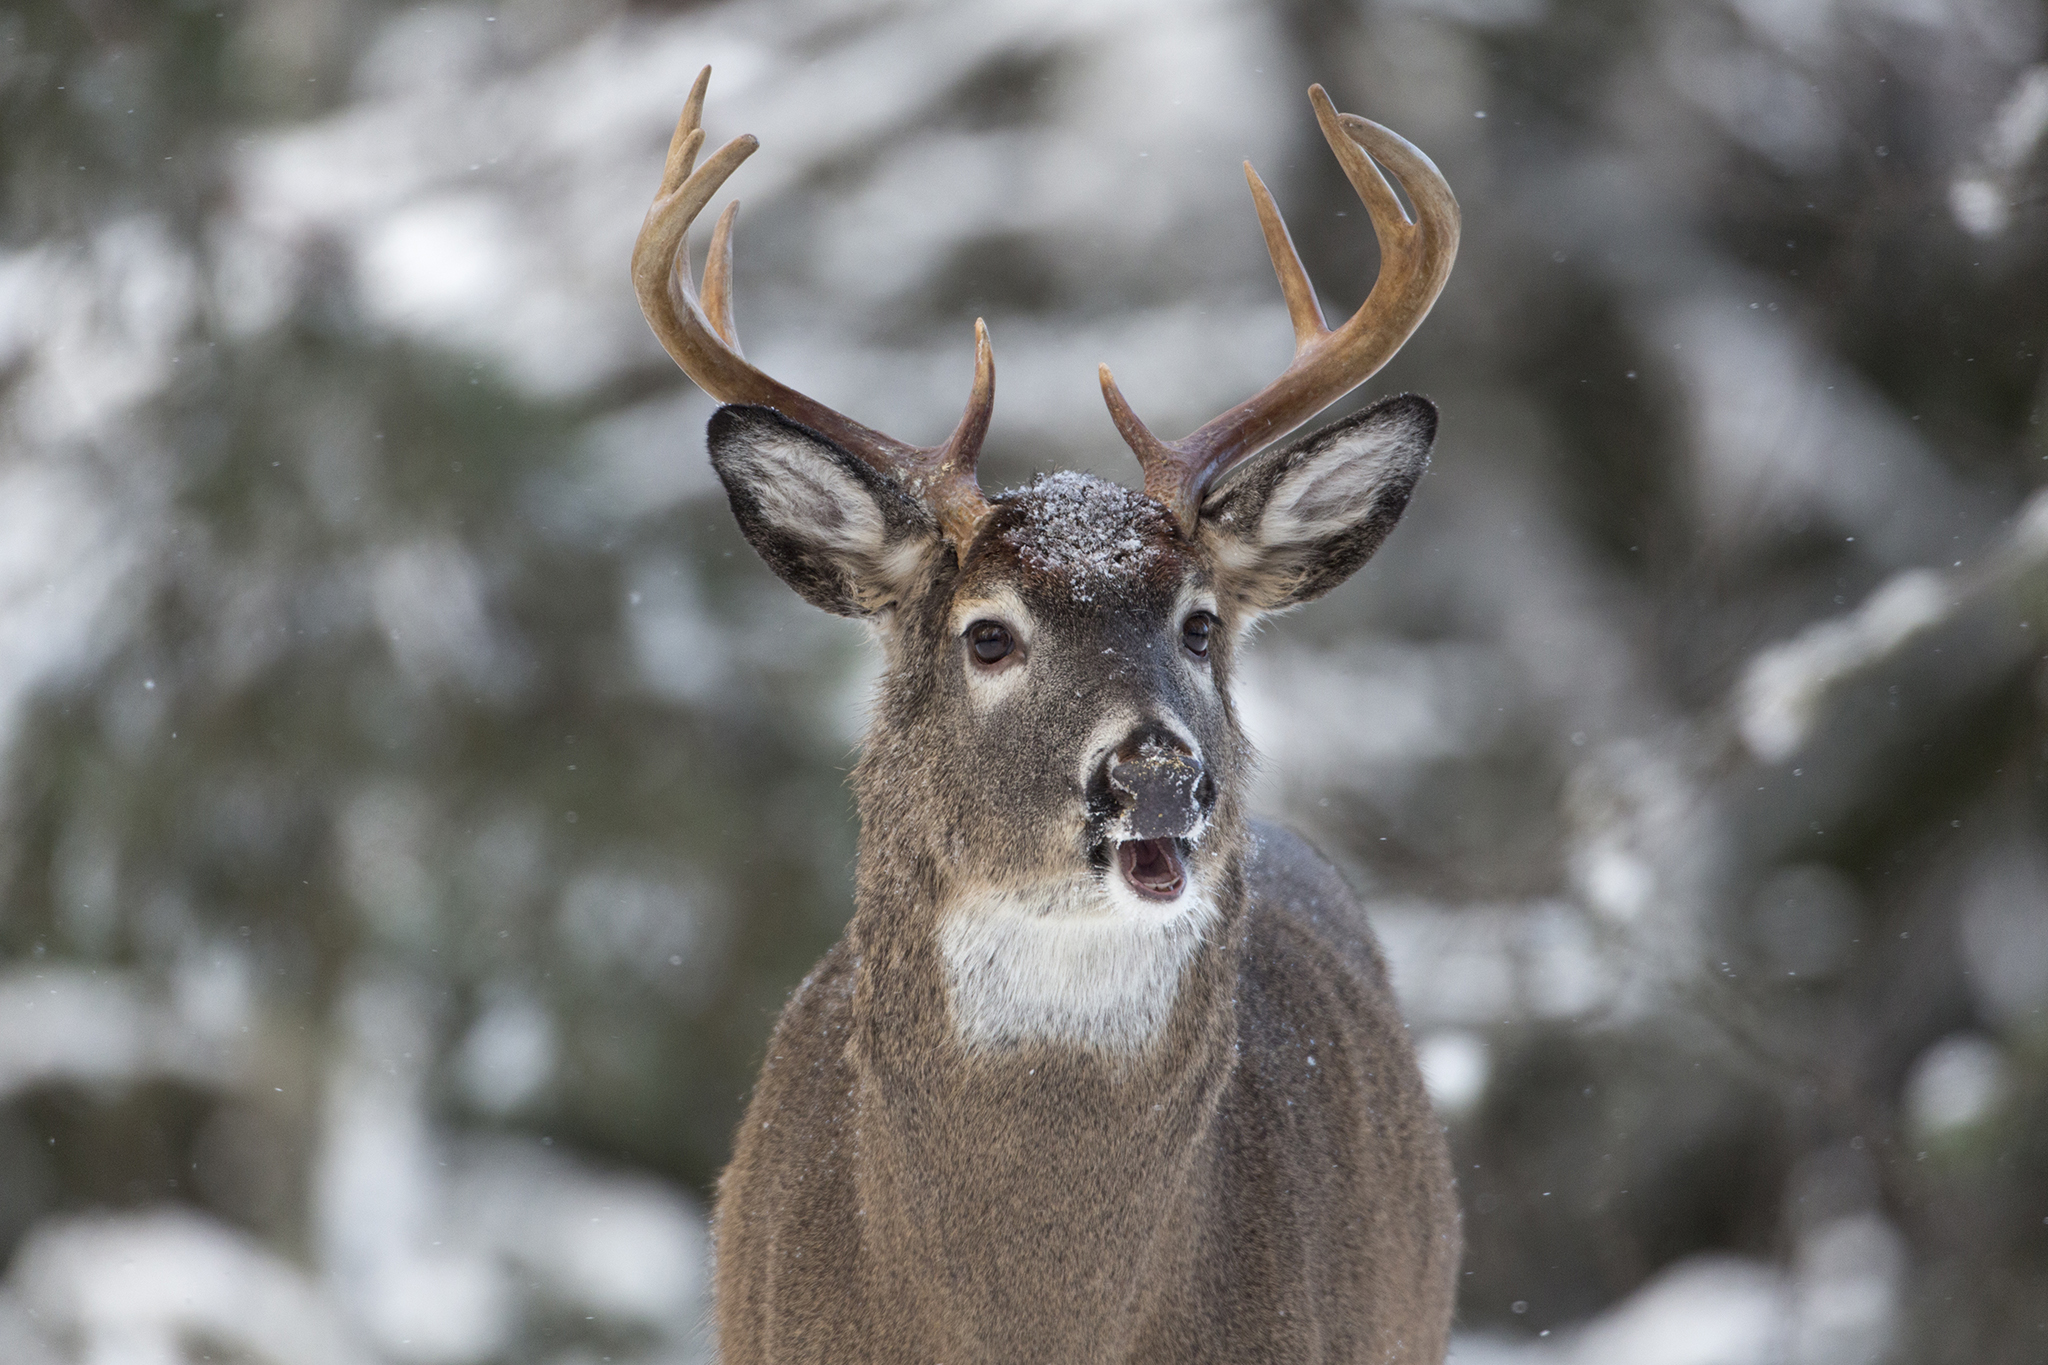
<point>1152,868</point>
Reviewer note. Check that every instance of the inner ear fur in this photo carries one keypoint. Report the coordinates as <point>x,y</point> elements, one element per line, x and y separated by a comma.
<point>1299,520</point>
<point>845,536</point>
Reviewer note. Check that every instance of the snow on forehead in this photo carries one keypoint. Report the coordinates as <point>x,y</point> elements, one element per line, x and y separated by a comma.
<point>1081,527</point>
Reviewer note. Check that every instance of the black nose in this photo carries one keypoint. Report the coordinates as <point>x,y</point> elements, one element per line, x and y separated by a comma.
<point>1160,785</point>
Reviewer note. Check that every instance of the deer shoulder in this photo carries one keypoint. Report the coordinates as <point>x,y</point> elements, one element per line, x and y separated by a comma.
<point>1324,1107</point>
<point>1328,1084</point>
<point>1101,1071</point>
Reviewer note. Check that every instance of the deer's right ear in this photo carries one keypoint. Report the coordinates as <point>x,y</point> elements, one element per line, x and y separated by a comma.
<point>847,538</point>
<point>1300,520</point>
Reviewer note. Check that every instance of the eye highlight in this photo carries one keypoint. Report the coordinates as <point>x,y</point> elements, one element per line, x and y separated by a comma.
<point>990,641</point>
<point>1195,632</point>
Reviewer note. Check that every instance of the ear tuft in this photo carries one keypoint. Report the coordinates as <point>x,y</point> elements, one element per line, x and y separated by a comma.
<point>844,535</point>
<point>1300,520</point>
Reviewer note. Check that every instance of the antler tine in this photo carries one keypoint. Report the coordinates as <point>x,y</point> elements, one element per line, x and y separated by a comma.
<point>944,476</point>
<point>1415,260</point>
<point>1160,461</point>
<point>1381,206</point>
<point>1302,309</point>
<point>683,147</point>
<point>699,335</point>
<point>718,280</point>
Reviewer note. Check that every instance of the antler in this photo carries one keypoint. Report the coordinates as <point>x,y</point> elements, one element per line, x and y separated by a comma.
<point>1415,260</point>
<point>699,334</point>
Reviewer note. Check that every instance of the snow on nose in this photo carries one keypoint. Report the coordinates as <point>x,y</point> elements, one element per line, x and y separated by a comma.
<point>1161,791</point>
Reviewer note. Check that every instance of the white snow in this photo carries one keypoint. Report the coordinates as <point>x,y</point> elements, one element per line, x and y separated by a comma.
<point>1088,530</point>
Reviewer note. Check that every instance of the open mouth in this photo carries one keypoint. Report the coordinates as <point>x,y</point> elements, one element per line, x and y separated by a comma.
<point>1152,867</point>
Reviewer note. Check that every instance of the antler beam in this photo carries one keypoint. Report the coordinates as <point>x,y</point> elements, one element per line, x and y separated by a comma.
<point>698,332</point>
<point>1415,260</point>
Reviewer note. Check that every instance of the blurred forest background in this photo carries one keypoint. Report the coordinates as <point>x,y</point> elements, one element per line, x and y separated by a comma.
<point>416,801</point>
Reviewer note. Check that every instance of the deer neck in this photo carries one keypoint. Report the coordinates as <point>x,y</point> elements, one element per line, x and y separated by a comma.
<point>965,974</point>
<point>1084,1116</point>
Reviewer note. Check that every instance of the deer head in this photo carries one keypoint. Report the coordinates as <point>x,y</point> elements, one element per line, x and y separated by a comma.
<point>1055,733</point>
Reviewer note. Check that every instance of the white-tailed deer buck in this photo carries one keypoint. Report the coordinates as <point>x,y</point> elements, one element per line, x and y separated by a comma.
<point>1100,1071</point>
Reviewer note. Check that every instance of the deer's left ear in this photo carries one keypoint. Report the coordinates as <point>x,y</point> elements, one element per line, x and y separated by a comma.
<point>845,536</point>
<point>1300,520</point>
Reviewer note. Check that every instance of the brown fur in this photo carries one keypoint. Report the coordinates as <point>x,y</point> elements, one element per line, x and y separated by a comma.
<point>1264,1180</point>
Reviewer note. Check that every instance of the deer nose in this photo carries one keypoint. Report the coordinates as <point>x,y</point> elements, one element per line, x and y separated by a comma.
<point>1161,787</point>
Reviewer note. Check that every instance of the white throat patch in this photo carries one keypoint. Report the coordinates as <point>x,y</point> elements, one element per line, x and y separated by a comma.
<point>1082,963</point>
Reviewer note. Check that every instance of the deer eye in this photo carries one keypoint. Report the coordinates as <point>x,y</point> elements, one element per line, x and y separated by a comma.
<point>1194,633</point>
<point>990,641</point>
